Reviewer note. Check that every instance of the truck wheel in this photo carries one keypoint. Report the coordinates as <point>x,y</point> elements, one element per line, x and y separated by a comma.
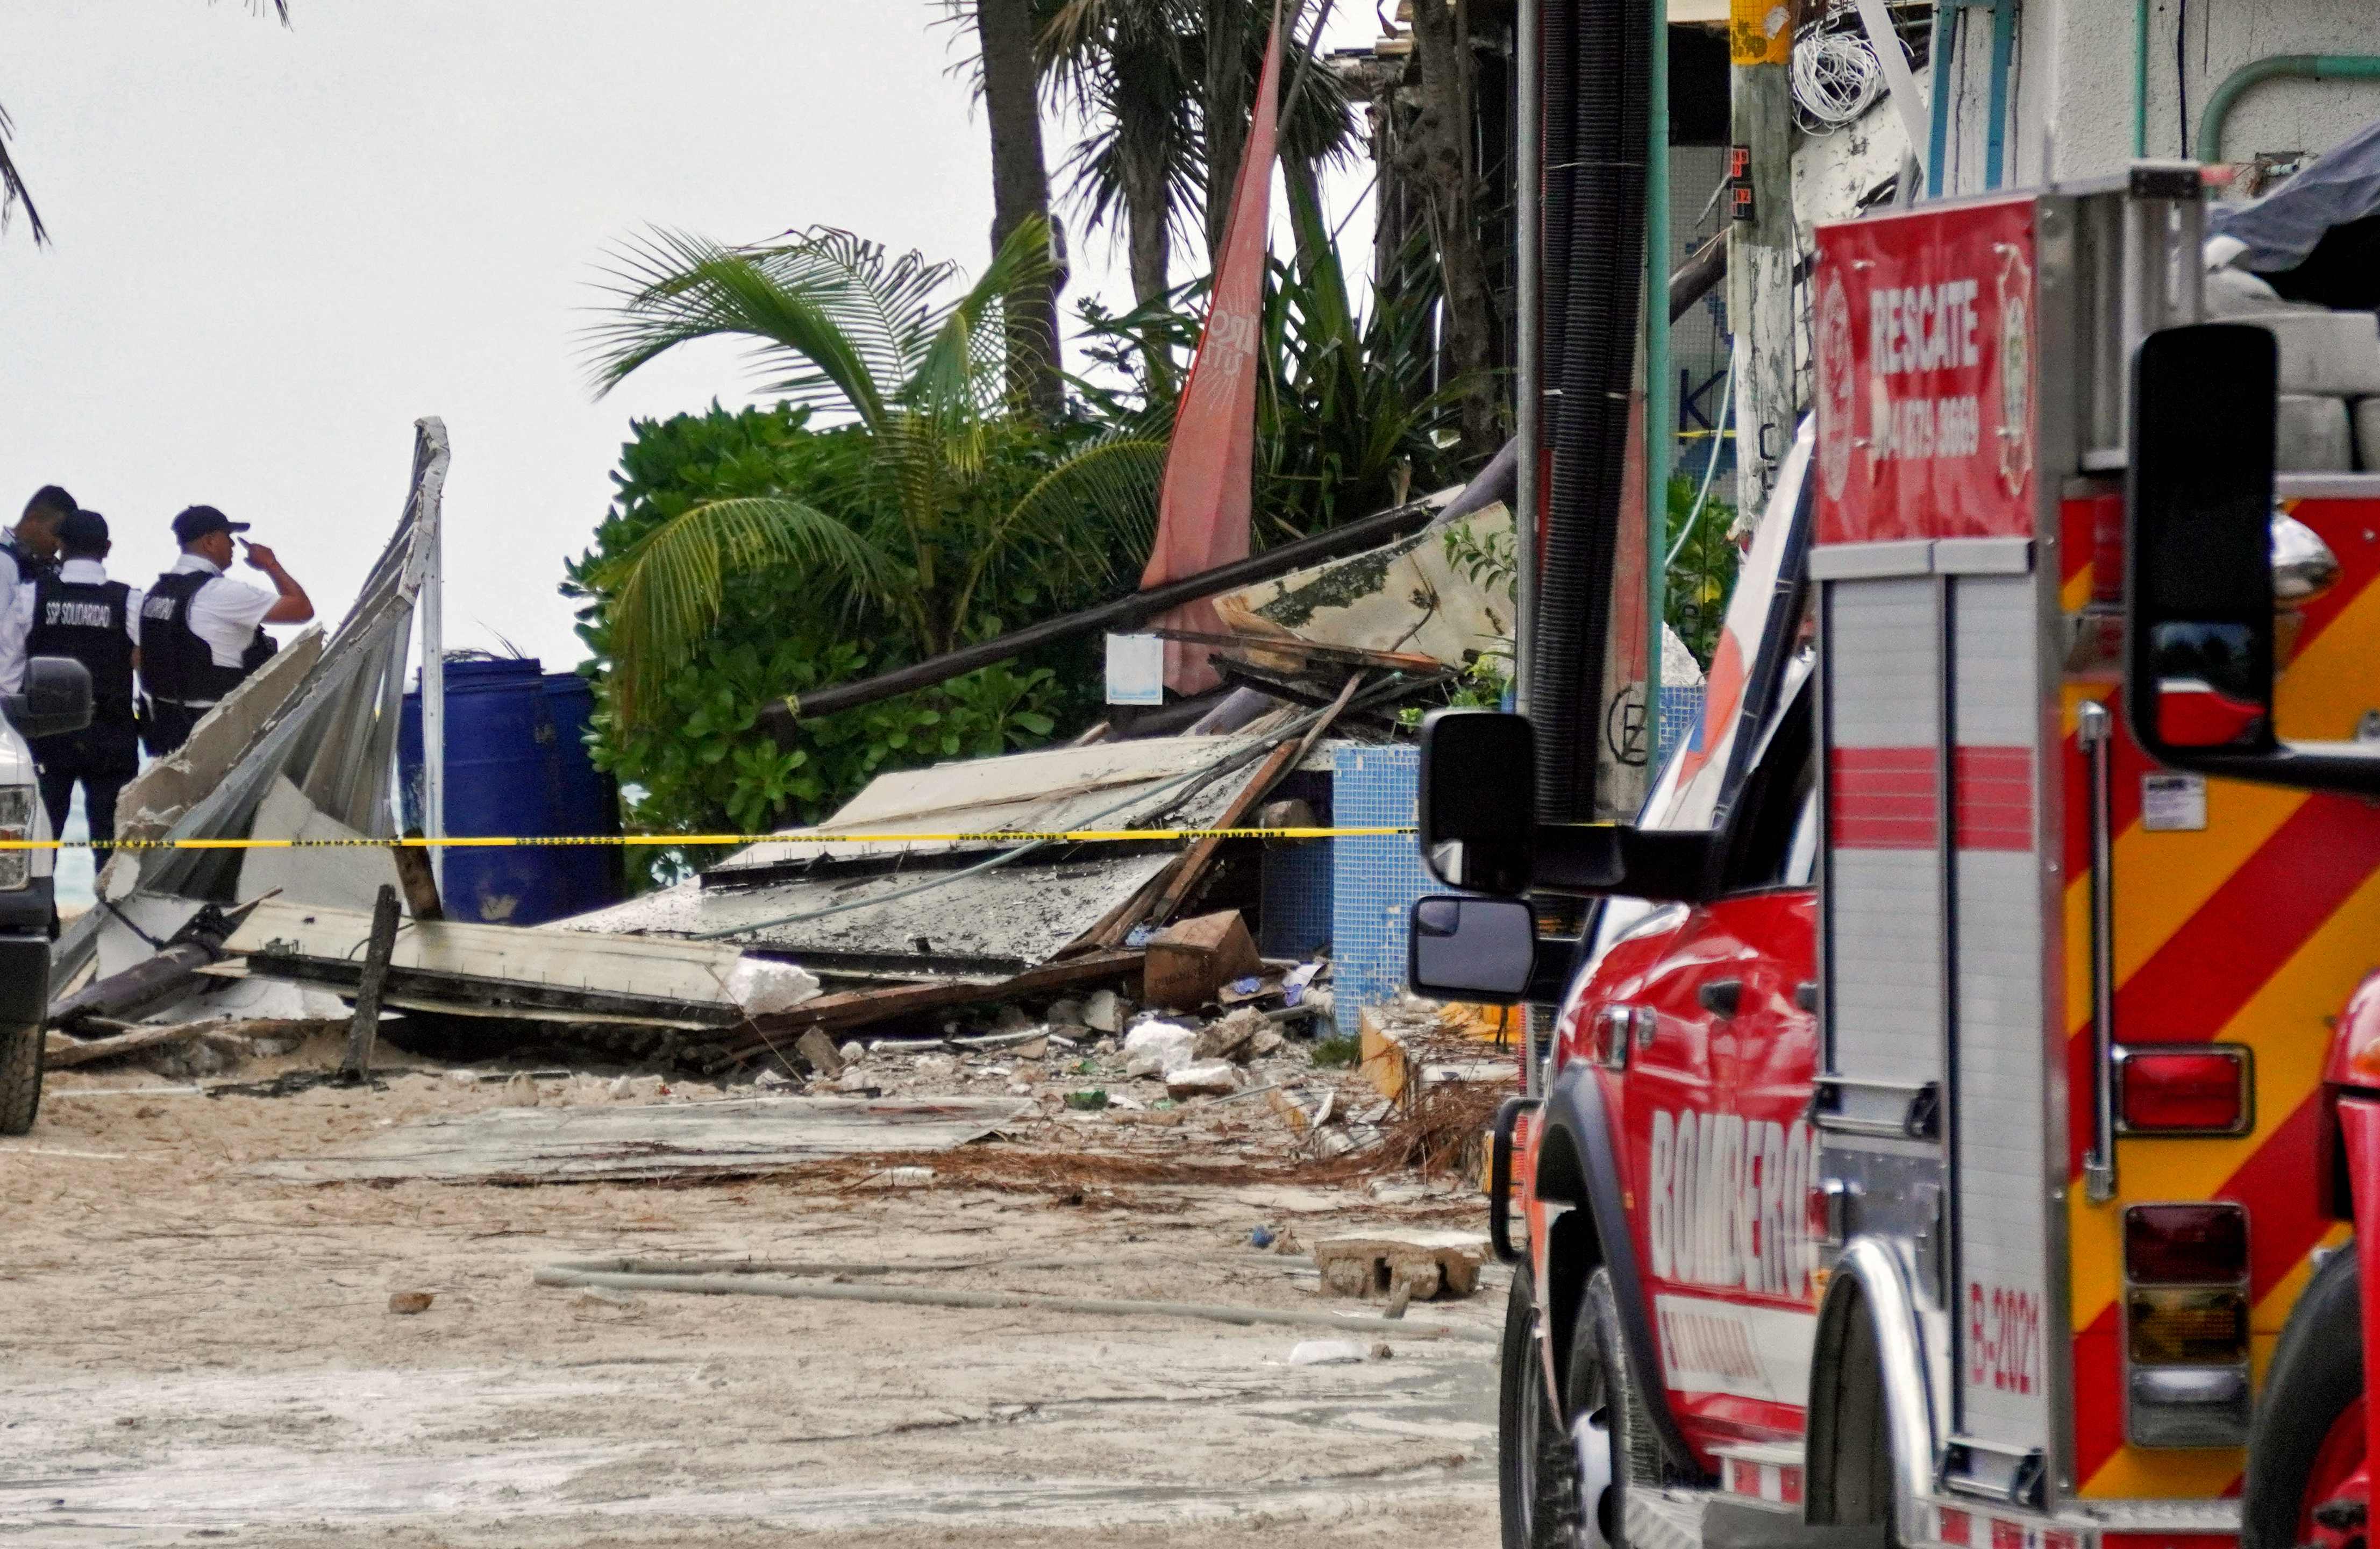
<point>2306,1481</point>
<point>21,1078</point>
<point>1607,1423</point>
<point>1536,1471</point>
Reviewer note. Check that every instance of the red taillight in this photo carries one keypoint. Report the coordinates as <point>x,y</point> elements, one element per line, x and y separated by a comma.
<point>2186,1244</point>
<point>2201,1090</point>
<point>1955,1527</point>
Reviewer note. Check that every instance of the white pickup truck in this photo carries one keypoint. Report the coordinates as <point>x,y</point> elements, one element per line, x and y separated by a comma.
<point>56,698</point>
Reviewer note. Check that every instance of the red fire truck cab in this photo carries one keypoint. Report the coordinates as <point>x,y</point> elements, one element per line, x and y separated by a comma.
<point>1934,1135</point>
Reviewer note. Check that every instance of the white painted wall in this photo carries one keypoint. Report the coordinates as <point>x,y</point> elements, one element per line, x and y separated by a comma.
<point>2072,82</point>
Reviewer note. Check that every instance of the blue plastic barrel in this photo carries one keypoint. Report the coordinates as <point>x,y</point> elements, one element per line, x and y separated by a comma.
<point>517,764</point>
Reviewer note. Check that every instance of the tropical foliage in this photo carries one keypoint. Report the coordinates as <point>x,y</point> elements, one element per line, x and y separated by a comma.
<point>695,762</point>
<point>1702,568</point>
<point>924,523</point>
<point>1349,420</point>
<point>1163,89</point>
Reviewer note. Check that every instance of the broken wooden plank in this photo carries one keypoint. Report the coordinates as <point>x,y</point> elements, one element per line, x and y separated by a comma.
<point>419,880</point>
<point>858,1008</point>
<point>63,1053</point>
<point>737,1138</point>
<point>1194,860</point>
<point>364,1031</point>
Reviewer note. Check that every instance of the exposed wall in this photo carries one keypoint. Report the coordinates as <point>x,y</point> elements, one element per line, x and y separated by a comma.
<point>2072,76</point>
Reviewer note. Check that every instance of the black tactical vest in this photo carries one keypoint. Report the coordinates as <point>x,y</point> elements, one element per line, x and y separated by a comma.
<point>85,620</point>
<point>175,663</point>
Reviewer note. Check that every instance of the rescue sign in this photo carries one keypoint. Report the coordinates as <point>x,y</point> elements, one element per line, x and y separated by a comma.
<point>1925,376</point>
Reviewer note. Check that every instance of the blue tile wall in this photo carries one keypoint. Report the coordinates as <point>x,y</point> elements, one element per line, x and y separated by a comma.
<point>1373,882</point>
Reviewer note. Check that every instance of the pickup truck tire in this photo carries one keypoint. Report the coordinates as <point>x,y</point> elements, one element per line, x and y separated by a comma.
<point>20,1077</point>
<point>2307,1438</point>
<point>1536,1477</point>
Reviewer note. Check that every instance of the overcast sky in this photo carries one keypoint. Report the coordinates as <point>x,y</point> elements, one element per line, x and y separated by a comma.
<point>273,249</point>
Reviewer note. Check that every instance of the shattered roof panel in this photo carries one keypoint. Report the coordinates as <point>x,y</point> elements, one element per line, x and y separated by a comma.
<point>989,926</point>
<point>1051,790</point>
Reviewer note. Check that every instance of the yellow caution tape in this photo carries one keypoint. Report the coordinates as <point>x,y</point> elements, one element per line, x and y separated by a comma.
<point>997,837</point>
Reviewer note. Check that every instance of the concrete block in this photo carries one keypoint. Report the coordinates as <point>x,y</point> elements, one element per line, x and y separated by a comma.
<point>2309,436</point>
<point>2331,354</point>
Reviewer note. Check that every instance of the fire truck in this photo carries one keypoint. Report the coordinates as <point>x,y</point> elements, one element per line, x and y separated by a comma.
<point>1961,1072</point>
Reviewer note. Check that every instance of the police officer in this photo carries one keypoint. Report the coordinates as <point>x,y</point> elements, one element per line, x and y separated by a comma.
<point>80,613</point>
<point>27,554</point>
<point>198,628</point>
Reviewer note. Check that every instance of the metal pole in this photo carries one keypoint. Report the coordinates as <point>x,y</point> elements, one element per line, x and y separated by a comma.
<point>434,686</point>
<point>1660,426</point>
<point>1529,193</point>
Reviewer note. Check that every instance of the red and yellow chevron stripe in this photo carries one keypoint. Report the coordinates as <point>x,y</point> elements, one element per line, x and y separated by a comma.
<point>2254,931</point>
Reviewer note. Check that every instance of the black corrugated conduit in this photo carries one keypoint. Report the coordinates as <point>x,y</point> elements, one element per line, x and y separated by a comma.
<point>1592,300</point>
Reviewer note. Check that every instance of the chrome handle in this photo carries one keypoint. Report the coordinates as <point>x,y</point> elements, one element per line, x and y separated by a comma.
<point>2096,733</point>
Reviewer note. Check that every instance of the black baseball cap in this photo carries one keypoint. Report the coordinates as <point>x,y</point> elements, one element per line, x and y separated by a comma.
<point>198,521</point>
<point>82,532</point>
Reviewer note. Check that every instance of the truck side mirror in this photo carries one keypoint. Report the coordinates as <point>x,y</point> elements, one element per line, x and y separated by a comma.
<point>1478,800</point>
<point>56,698</point>
<point>1479,830</point>
<point>1471,949</point>
<point>2199,647</point>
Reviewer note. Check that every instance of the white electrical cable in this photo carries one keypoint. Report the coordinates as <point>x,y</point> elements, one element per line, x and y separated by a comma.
<point>1837,77</point>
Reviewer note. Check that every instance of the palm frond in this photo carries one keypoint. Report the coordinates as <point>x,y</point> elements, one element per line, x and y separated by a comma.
<point>1096,507</point>
<point>670,584</point>
<point>13,191</point>
<point>671,288</point>
<point>884,305</point>
<point>953,382</point>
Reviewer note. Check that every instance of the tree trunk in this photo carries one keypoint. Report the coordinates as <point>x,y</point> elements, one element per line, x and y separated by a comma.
<point>1439,158</point>
<point>1020,192</point>
<point>1145,217</point>
<point>1229,99</point>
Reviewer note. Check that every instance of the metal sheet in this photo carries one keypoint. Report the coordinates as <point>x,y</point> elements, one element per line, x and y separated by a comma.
<point>675,979</point>
<point>693,1140</point>
<point>988,926</point>
<point>1049,790</point>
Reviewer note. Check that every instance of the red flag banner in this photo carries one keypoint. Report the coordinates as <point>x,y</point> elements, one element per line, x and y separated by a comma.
<point>1202,515</point>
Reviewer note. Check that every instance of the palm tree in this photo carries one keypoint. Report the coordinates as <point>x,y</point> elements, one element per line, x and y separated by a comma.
<point>13,191</point>
<point>842,327</point>
<point>1020,192</point>
<point>1166,87</point>
<point>1123,66</point>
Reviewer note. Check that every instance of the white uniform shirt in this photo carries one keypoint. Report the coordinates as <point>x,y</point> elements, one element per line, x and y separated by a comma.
<point>224,613</point>
<point>16,622</point>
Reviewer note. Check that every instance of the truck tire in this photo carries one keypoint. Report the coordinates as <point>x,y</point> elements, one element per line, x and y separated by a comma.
<point>1536,1476</point>
<point>20,1077</point>
<point>1847,1435</point>
<point>2307,1438</point>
